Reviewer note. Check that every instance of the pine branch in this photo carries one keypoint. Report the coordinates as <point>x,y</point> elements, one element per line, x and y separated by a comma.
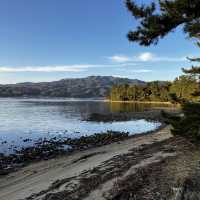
<point>194,59</point>
<point>193,70</point>
<point>155,22</point>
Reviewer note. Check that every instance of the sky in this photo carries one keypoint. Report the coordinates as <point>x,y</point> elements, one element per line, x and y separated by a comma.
<point>54,39</point>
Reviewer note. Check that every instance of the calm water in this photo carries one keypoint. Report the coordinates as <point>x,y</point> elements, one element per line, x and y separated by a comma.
<point>35,119</point>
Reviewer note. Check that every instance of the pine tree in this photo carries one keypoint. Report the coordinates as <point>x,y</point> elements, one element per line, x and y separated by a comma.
<point>155,22</point>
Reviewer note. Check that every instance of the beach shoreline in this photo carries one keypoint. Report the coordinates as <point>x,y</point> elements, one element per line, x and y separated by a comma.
<point>38,176</point>
<point>149,166</point>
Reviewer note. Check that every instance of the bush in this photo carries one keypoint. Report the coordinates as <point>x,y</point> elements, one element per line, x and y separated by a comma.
<point>189,123</point>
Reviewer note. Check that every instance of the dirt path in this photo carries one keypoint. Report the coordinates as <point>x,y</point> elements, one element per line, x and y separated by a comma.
<point>67,173</point>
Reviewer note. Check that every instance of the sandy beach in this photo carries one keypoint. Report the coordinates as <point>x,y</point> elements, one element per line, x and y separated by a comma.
<point>149,166</point>
<point>39,176</point>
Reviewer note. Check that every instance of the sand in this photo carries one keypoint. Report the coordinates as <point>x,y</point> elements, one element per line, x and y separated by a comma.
<point>37,177</point>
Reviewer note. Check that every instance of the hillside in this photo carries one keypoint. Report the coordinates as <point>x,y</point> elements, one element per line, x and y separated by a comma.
<point>92,86</point>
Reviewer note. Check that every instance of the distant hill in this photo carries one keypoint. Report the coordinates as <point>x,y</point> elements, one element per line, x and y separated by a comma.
<point>92,86</point>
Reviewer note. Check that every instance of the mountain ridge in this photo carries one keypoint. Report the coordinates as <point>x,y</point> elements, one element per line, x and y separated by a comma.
<point>91,86</point>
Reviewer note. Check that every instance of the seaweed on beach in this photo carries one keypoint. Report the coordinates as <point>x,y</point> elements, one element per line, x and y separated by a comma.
<point>48,149</point>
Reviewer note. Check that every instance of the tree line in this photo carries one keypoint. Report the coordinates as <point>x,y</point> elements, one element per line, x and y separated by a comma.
<point>182,87</point>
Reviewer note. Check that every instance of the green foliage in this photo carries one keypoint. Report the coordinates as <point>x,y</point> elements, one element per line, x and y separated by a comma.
<point>181,88</point>
<point>173,98</point>
<point>157,20</point>
<point>152,91</point>
<point>189,124</point>
<point>184,87</point>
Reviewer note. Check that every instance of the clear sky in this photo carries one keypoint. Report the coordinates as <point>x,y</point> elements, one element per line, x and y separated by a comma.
<point>45,40</point>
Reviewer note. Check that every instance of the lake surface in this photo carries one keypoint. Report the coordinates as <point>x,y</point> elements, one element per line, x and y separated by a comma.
<point>22,119</point>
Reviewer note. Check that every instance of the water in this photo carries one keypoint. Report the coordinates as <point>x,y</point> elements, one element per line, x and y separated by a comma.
<point>22,119</point>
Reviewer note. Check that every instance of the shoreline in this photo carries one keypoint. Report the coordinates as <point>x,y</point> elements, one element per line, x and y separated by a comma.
<point>51,149</point>
<point>92,170</point>
<point>151,166</point>
<point>45,172</point>
<point>140,102</point>
<point>103,99</point>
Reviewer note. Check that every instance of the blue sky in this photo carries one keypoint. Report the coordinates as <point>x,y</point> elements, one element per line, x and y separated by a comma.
<point>54,39</point>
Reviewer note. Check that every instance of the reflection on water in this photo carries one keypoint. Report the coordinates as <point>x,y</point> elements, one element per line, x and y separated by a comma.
<point>22,119</point>
<point>134,107</point>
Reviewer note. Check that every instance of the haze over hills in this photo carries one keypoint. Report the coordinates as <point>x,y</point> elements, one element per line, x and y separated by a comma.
<point>92,86</point>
